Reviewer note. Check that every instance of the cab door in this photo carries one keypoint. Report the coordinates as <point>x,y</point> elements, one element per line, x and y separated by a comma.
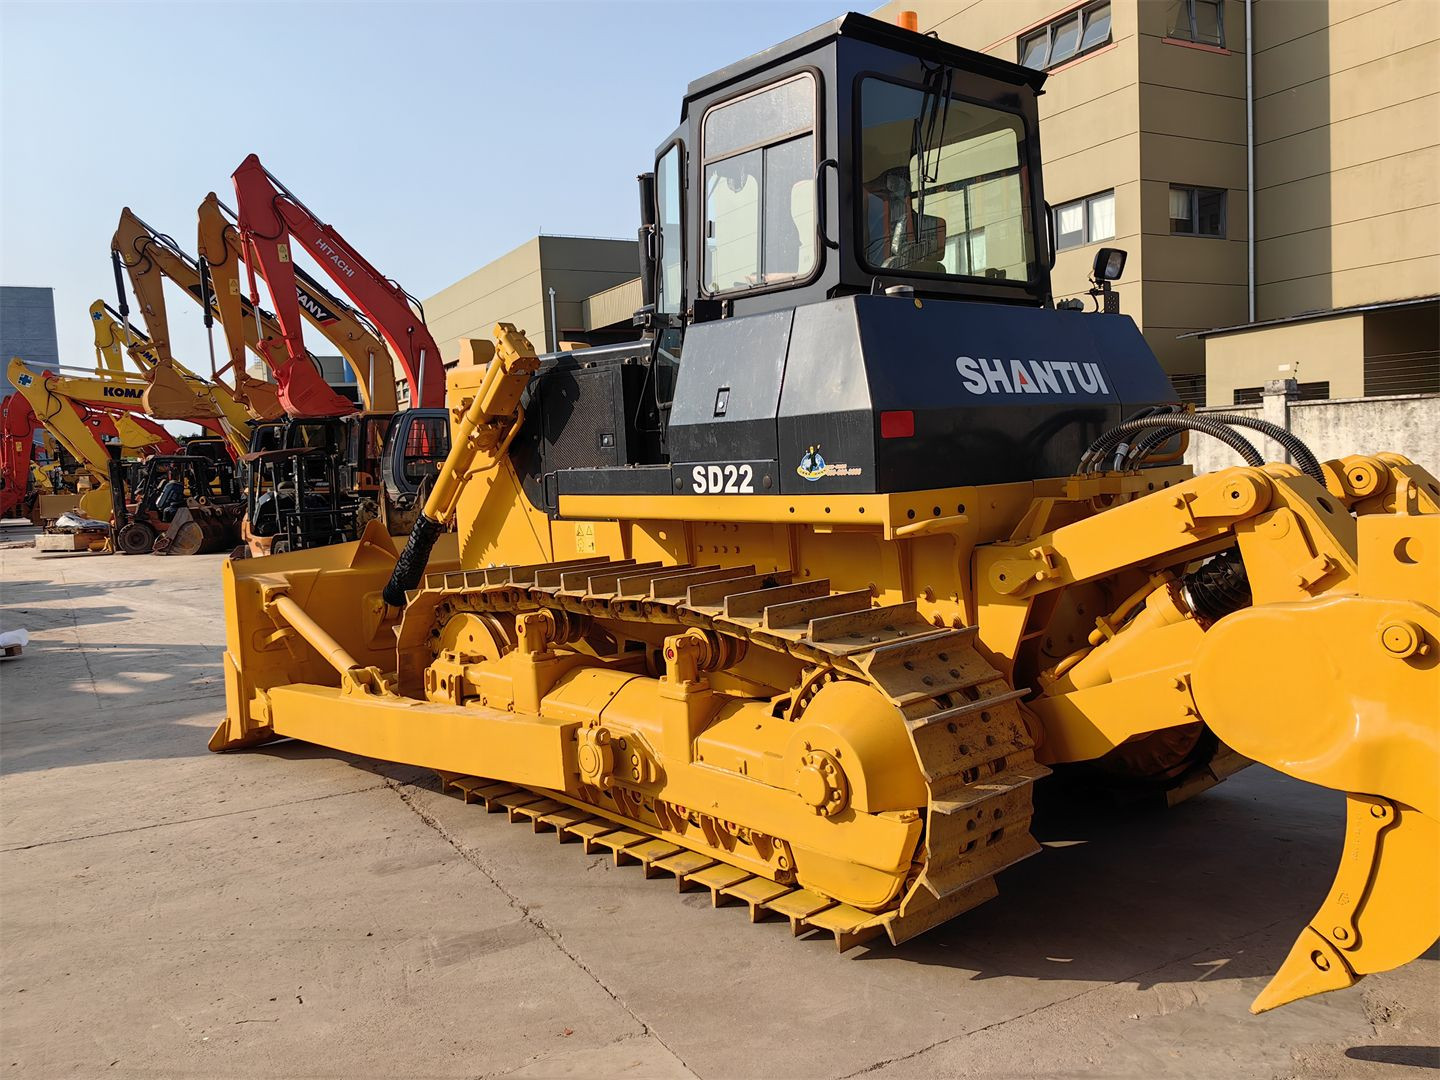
<point>416,444</point>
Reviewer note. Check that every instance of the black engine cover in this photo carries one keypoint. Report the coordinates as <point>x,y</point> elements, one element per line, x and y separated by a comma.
<point>982,393</point>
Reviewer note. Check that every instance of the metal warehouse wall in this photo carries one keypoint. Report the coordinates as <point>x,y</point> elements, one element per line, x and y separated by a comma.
<point>27,328</point>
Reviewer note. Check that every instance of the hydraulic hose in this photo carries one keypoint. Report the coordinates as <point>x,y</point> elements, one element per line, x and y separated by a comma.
<point>410,567</point>
<point>1143,448</point>
<point>1304,458</point>
<point>1107,442</point>
<point>496,404</point>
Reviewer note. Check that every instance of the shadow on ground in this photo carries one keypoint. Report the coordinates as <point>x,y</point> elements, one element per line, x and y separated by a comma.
<point>1417,1057</point>
<point>1117,895</point>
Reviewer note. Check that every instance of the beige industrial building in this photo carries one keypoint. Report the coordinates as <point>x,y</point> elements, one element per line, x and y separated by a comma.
<point>583,271</point>
<point>1148,123</point>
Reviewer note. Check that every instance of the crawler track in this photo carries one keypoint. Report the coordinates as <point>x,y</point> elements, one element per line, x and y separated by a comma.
<point>964,722</point>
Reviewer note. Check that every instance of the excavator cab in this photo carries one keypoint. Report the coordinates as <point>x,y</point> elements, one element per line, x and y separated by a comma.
<point>346,471</point>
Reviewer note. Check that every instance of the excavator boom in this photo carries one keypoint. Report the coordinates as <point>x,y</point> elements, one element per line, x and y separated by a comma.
<point>269,215</point>
<point>343,326</point>
<point>148,257</point>
<point>223,411</point>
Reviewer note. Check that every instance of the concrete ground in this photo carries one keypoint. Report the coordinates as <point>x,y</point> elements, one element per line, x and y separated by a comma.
<point>295,912</point>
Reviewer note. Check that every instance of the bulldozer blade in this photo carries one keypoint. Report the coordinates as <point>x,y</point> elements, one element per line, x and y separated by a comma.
<point>339,586</point>
<point>1382,911</point>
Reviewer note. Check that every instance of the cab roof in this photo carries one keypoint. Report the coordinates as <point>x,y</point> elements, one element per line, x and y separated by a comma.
<point>865,28</point>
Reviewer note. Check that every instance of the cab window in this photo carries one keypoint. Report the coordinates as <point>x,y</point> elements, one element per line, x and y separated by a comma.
<point>667,200</point>
<point>944,185</point>
<point>759,168</point>
<point>427,442</point>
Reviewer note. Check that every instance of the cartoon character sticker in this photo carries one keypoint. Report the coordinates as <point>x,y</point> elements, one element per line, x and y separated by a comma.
<point>812,465</point>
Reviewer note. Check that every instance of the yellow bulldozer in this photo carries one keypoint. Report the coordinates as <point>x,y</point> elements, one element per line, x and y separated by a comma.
<point>797,597</point>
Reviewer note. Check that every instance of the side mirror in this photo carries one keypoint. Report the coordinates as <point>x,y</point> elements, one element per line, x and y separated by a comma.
<point>649,257</point>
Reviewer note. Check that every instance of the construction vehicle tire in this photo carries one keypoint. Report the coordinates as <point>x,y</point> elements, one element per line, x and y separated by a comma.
<point>136,538</point>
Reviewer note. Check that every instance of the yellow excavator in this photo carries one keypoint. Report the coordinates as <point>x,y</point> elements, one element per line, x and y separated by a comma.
<point>77,415</point>
<point>796,598</point>
<point>148,257</point>
<point>209,404</point>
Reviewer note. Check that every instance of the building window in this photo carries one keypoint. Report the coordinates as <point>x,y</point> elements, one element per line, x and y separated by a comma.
<point>1073,34</point>
<point>1202,21</point>
<point>1085,221</point>
<point>965,254</point>
<point>1254,395</point>
<point>1197,211</point>
<point>1189,388</point>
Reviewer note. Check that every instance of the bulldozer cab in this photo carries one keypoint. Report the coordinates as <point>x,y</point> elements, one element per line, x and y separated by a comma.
<point>850,159</point>
<point>846,264</point>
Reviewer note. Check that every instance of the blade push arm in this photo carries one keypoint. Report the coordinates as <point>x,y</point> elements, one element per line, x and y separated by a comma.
<point>269,216</point>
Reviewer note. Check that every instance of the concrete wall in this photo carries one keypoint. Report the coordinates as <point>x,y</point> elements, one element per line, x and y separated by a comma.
<point>27,329</point>
<point>513,288</point>
<point>1406,424</point>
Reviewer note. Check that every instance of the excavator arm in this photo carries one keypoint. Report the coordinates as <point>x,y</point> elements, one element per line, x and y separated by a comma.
<point>148,257</point>
<point>80,429</point>
<point>80,415</point>
<point>344,327</point>
<point>111,349</point>
<point>269,215</point>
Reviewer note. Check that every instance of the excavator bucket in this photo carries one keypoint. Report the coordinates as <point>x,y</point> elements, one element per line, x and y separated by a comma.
<point>201,528</point>
<point>1364,719</point>
<point>261,398</point>
<point>170,396</point>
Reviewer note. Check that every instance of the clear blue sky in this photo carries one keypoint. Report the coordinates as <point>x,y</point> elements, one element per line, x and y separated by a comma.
<point>434,136</point>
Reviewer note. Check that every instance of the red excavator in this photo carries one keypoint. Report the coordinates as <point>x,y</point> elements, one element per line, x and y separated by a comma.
<point>269,215</point>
